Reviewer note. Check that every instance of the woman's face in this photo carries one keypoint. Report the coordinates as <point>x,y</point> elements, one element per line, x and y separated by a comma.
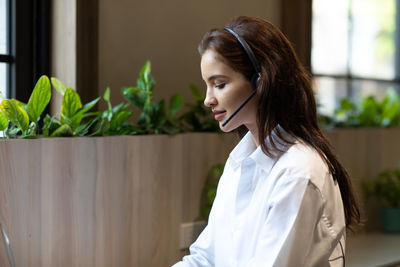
<point>226,90</point>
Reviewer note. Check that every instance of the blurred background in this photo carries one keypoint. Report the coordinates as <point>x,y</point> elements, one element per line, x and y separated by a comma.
<point>351,48</point>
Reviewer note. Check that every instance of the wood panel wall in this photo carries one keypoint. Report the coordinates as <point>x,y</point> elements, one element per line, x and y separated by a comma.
<point>119,201</point>
<point>365,153</point>
<point>108,201</point>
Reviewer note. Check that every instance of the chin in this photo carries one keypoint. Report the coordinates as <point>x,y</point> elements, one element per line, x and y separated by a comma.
<point>228,128</point>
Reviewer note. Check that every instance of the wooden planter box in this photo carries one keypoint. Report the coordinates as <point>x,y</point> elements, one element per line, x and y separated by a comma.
<point>365,152</point>
<point>119,201</point>
<point>104,201</point>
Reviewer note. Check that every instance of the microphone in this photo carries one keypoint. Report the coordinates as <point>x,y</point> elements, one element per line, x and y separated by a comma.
<point>239,108</point>
<point>256,77</point>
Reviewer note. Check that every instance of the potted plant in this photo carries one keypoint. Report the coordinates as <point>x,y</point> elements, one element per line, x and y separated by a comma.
<point>115,183</point>
<point>366,112</point>
<point>210,189</point>
<point>386,188</point>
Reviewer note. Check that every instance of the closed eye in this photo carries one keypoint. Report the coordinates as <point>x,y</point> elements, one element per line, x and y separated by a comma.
<point>220,85</point>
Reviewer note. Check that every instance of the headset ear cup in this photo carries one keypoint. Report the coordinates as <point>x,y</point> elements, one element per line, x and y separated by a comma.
<point>255,81</point>
<point>258,81</point>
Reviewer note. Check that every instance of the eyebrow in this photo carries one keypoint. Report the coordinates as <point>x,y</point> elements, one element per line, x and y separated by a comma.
<point>213,77</point>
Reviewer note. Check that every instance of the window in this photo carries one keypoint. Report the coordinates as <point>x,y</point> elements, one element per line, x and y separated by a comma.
<point>24,46</point>
<point>355,50</point>
<point>4,47</point>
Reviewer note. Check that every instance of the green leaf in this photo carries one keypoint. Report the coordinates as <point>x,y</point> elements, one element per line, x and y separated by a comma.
<point>146,80</point>
<point>106,97</point>
<point>83,129</point>
<point>157,112</point>
<point>31,131</point>
<point>39,98</point>
<point>119,119</point>
<point>91,114</point>
<point>346,104</point>
<point>147,104</point>
<point>141,84</point>
<point>63,130</point>
<point>175,104</point>
<point>3,122</point>
<point>15,113</point>
<point>46,123</point>
<point>212,192</point>
<point>346,109</point>
<point>59,85</point>
<point>145,72</point>
<point>144,119</point>
<point>50,124</point>
<point>70,105</point>
<point>385,188</point>
<point>134,90</point>
<point>136,96</point>
<point>390,107</point>
<point>119,107</point>
<point>12,131</point>
<point>90,105</point>
<point>98,127</point>
<point>196,93</point>
<point>22,105</point>
<point>81,112</point>
<point>369,115</point>
<point>107,114</point>
<point>205,211</point>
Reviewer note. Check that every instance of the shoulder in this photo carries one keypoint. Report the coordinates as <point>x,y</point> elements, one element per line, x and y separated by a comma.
<point>301,161</point>
<point>302,164</point>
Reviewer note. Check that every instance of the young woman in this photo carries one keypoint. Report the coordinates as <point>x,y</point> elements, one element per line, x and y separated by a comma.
<point>283,199</point>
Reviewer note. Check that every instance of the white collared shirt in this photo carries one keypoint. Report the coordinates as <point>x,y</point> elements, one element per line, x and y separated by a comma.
<point>285,211</point>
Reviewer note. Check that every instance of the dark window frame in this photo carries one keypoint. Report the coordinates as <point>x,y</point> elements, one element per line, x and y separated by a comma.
<point>7,58</point>
<point>349,78</point>
<point>28,34</point>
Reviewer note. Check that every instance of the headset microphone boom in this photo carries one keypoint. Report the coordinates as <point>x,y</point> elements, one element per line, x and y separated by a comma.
<point>255,79</point>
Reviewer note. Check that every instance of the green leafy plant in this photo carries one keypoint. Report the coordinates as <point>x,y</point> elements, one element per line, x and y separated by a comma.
<point>198,118</point>
<point>210,189</point>
<point>71,115</point>
<point>154,118</point>
<point>112,121</point>
<point>22,119</point>
<point>369,112</point>
<point>386,188</point>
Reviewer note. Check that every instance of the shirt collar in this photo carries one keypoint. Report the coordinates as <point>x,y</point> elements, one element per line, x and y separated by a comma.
<point>247,148</point>
<point>243,149</point>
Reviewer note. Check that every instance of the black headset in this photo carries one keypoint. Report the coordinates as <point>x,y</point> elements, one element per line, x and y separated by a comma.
<point>255,78</point>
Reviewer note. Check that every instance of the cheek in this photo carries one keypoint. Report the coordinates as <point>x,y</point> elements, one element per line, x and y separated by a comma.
<point>237,95</point>
<point>229,99</point>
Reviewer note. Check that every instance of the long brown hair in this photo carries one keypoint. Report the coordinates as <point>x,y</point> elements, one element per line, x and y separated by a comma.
<point>285,93</point>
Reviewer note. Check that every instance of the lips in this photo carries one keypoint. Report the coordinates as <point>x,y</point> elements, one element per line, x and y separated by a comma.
<point>219,114</point>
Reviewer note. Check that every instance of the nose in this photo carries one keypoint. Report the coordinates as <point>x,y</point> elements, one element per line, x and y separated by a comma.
<point>210,99</point>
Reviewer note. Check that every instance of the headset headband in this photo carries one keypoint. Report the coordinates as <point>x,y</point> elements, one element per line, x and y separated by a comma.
<point>247,49</point>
